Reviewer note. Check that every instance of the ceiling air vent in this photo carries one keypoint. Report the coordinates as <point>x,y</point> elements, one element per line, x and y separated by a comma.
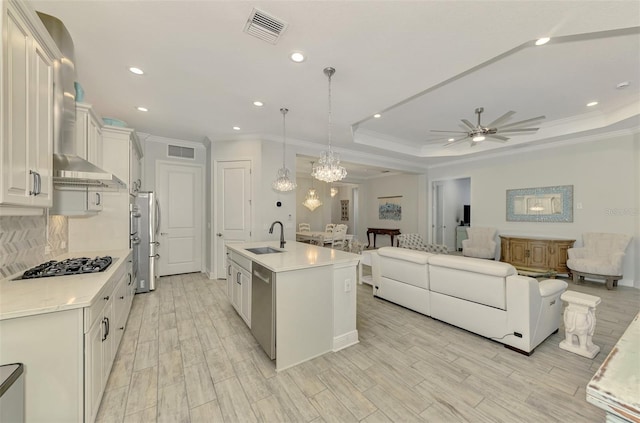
<point>182,152</point>
<point>264,26</point>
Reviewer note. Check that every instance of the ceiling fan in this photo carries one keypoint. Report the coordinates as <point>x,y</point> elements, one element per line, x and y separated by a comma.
<point>492,132</point>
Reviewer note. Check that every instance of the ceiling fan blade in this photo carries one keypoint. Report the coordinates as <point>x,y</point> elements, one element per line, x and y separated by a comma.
<point>449,132</point>
<point>501,119</point>
<point>506,131</point>
<point>469,124</point>
<point>497,138</point>
<point>454,142</point>
<point>523,122</point>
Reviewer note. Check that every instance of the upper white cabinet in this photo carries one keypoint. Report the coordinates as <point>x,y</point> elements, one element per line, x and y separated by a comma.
<point>135,165</point>
<point>89,147</point>
<point>26,92</point>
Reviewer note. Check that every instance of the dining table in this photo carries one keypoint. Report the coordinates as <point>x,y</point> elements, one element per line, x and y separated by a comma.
<point>305,236</point>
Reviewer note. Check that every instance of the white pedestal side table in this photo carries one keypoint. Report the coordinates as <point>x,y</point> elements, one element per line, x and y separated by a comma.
<point>580,323</point>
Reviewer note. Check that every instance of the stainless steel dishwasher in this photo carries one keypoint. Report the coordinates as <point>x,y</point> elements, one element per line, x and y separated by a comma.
<point>263,308</point>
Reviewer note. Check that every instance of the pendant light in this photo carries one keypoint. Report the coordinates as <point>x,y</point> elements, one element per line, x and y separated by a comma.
<point>312,201</point>
<point>283,183</point>
<point>329,169</point>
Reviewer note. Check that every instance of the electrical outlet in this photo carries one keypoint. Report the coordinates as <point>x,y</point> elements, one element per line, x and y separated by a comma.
<point>347,285</point>
<point>63,244</point>
<point>47,250</point>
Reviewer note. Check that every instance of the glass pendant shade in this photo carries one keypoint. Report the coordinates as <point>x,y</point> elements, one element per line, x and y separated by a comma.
<point>328,168</point>
<point>283,182</point>
<point>334,191</point>
<point>312,201</point>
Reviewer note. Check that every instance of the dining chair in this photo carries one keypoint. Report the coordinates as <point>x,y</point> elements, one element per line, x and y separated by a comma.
<point>339,237</point>
<point>304,227</point>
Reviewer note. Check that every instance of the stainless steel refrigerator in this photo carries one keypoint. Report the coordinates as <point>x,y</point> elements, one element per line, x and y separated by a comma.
<point>145,224</point>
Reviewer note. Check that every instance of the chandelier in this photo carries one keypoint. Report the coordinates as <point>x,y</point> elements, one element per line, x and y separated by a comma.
<point>282,182</point>
<point>328,168</point>
<point>312,201</point>
<point>334,191</point>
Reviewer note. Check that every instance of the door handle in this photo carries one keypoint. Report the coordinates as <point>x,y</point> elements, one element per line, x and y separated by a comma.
<point>156,256</point>
<point>135,240</point>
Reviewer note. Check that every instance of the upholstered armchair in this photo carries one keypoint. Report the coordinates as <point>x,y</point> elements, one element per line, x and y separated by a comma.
<point>600,257</point>
<point>415,242</point>
<point>481,243</point>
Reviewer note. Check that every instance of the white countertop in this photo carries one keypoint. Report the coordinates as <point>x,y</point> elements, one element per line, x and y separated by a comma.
<point>26,297</point>
<point>295,255</point>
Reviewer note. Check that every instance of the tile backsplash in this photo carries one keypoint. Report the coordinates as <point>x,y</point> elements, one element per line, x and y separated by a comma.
<point>23,241</point>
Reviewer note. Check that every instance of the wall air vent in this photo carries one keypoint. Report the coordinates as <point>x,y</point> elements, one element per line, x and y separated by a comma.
<point>182,152</point>
<point>264,26</point>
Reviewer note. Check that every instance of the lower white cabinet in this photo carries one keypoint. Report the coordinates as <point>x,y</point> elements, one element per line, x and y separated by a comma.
<point>68,354</point>
<point>239,286</point>
<point>103,339</point>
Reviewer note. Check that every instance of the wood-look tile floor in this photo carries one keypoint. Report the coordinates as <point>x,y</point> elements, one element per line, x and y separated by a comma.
<point>186,356</point>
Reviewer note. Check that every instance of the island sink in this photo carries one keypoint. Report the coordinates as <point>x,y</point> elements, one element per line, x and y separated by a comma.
<point>263,250</point>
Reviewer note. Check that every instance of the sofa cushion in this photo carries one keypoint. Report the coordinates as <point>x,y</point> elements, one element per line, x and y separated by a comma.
<point>487,267</point>
<point>406,266</point>
<point>415,256</point>
<point>476,280</point>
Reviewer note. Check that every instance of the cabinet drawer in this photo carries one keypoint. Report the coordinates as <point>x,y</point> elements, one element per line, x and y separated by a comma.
<point>92,312</point>
<point>241,261</point>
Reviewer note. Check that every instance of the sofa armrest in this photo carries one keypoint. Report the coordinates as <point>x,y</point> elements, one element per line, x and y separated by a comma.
<point>551,287</point>
<point>465,243</point>
<point>616,260</point>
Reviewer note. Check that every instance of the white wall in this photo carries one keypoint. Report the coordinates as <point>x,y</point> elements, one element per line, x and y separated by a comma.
<point>389,186</point>
<point>604,176</point>
<point>267,211</point>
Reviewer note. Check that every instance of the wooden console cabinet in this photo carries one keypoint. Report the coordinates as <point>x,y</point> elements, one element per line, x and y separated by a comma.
<point>535,253</point>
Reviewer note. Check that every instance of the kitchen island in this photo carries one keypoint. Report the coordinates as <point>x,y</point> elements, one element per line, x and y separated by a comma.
<point>314,298</point>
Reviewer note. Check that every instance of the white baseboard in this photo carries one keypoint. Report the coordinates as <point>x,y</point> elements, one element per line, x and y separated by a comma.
<point>345,340</point>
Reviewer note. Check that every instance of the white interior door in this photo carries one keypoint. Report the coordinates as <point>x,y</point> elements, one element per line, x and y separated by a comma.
<point>232,208</point>
<point>180,196</point>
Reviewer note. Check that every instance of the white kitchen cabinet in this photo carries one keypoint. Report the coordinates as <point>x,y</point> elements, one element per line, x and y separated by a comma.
<point>26,146</point>
<point>70,351</point>
<point>89,147</point>
<point>240,286</point>
<point>135,165</point>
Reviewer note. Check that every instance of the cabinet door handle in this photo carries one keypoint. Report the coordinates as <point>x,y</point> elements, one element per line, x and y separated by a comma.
<point>105,330</point>
<point>122,297</point>
<point>130,279</point>
<point>36,183</point>
<point>238,278</point>
<point>229,270</point>
<point>106,298</point>
<point>108,327</point>
<point>98,199</point>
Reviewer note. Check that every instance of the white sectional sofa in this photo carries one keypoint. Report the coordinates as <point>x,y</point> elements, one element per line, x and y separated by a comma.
<point>482,296</point>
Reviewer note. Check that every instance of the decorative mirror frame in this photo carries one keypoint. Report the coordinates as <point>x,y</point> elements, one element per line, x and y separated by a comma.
<point>564,213</point>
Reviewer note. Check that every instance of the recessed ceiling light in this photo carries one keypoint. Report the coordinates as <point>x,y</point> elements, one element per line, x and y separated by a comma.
<point>542,41</point>
<point>623,84</point>
<point>258,103</point>
<point>135,70</point>
<point>142,109</point>
<point>593,103</point>
<point>236,128</point>
<point>451,140</point>
<point>377,115</point>
<point>297,57</point>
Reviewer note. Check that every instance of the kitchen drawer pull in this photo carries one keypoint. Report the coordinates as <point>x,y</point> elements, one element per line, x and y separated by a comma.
<point>106,298</point>
<point>98,199</point>
<point>122,297</point>
<point>105,327</point>
<point>130,279</point>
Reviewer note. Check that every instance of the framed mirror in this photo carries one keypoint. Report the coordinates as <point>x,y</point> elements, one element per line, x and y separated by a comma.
<point>544,204</point>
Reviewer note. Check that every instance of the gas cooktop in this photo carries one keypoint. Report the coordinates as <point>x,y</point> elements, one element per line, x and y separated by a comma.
<point>72,266</point>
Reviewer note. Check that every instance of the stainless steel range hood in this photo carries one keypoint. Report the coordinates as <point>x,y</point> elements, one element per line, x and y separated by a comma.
<point>69,167</point>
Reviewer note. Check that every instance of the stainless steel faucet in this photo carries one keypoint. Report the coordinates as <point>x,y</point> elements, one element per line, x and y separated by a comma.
<point>281,232</point>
